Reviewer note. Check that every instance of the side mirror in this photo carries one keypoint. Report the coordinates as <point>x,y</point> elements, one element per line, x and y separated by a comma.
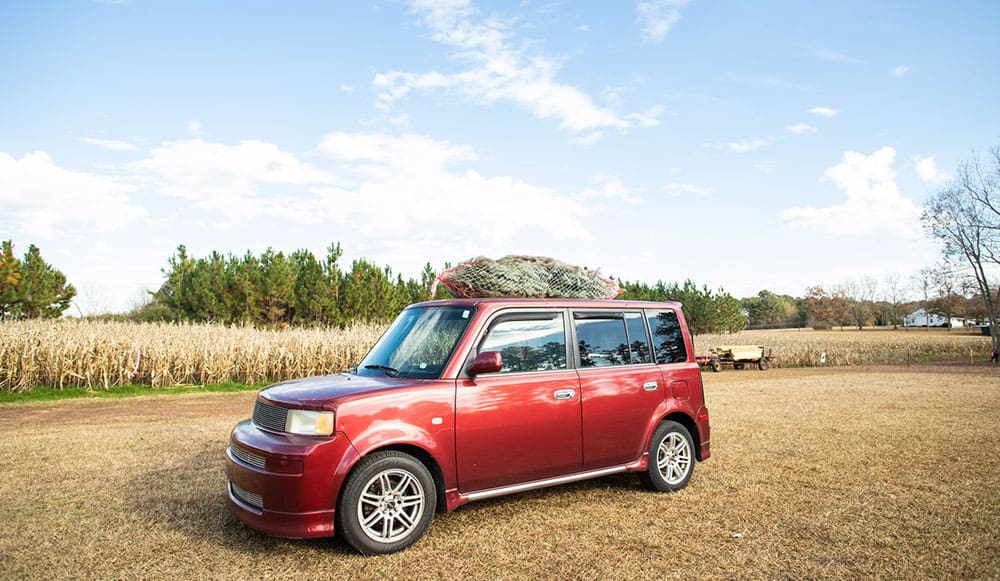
<point>486,362</point>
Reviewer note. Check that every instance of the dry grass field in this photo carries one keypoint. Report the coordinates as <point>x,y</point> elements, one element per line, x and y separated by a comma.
<point>803,348</point>
<point>100,355</point>
<point>845,472</point>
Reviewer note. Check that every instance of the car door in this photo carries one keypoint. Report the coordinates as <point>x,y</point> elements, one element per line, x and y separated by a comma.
<point>620,387</point>
<point>522,423</point>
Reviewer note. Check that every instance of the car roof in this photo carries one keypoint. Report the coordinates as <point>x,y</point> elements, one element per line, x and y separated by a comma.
<point>551,302</point>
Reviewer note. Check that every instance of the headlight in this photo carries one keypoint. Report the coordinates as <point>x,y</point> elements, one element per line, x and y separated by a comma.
<point>309,423</point>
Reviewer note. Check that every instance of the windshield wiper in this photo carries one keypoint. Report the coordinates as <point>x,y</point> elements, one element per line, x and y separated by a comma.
<point>389,371</point>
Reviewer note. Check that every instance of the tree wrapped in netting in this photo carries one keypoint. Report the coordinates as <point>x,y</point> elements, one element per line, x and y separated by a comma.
<point>526,276</point>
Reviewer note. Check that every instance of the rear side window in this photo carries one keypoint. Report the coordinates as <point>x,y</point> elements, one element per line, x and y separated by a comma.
<point>528,344</point>
<point>602,342</point>
<point>668,340</point>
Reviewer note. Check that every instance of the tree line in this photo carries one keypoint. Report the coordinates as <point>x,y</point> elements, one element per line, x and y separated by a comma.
<point>275,289</point>
<point>705,310</point>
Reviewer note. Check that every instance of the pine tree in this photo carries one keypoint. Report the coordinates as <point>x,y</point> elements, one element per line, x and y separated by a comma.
<point>32,288</point>
<point>278,287</point>
<point>311,297</point>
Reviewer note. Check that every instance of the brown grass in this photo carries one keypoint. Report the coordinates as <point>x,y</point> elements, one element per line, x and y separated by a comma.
<point>873,472</point>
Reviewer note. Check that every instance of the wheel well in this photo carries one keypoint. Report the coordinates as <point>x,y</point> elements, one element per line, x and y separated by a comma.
<point>687,422</point>
<point>427,460</point>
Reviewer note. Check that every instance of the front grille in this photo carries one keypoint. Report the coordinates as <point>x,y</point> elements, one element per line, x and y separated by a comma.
<point>269,416</point>
<point>247,457</point>
<point>247,496</point>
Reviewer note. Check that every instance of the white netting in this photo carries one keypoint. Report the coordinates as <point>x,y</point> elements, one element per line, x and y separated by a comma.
<point>526,276</point>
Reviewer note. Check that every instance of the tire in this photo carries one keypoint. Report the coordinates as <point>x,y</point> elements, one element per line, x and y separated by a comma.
<point>763,364</point>
<point>716,366</point>
<point>737,366</point>
<point>386,504</point>
<point>671,458</point>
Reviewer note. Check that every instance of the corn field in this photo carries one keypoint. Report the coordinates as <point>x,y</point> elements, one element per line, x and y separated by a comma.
<point>100,355</point>
<point>806,348</point>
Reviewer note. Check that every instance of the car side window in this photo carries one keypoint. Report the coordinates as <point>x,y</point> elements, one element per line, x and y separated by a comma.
<point>602,342</point>
<point>528,344</point>
<point>668,339</point>
<point>638,342</point>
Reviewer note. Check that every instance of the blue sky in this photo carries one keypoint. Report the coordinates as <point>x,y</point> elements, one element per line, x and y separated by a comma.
<point>744,145</point>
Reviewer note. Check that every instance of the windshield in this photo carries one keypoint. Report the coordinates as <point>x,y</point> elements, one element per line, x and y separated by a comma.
<point>418,344</point>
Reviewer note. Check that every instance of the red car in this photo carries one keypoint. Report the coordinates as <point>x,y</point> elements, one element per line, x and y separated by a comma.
<point>467,399</point>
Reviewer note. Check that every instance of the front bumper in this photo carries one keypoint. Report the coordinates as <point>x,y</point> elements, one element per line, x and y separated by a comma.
<point>285,485</point>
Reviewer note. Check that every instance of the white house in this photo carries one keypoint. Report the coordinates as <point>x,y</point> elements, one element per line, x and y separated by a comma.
<point>920,318</point>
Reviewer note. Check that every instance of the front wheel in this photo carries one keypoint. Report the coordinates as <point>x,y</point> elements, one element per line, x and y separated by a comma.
<point>671,458</point>
<point>386,504</point>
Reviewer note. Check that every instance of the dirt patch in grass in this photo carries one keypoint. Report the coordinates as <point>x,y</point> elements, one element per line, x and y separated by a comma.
<point>883,472</point>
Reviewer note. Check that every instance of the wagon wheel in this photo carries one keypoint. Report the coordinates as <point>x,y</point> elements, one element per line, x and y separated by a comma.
<point>763,364</point>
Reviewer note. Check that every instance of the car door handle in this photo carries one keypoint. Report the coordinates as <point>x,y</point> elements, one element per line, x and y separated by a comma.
<point>650,386</point>
<point>565,394</point>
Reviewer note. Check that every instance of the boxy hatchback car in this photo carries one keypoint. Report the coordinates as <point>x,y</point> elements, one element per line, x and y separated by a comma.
<point>467,399</point>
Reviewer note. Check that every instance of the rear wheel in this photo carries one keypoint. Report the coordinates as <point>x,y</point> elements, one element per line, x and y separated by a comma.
<point>386,504</point>
<point>763,364</point>
<point>716,366</point>
<point>671,458</point>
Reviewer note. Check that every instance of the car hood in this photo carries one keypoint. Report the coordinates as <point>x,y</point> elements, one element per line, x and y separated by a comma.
<point>321,391</point>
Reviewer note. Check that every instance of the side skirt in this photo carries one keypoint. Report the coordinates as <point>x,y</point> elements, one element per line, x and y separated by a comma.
<point>460,498</point>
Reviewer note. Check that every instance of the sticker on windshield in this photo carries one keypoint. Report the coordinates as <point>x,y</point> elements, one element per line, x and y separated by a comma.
<point>465,314</point>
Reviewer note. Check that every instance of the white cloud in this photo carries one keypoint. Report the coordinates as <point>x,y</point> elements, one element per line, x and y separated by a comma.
<point>824,111</point>
<point>611,188</point>
<point>226,178</point>
<point>741,146</point>
<point>873,201</point>
<point>407,153</point>
<point>397,187</point>
<point>899,71</point>
<point>583,28</point>
<point>693,189</point>
<point>928,171</point>
<point>800,129</point>
<point>42,199</point>
<point>109,144</point>
<point>194,128</point>
<point>404,186</point>
<point>589,139</point>
<point>658,17</point>
<point>500,71</point>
